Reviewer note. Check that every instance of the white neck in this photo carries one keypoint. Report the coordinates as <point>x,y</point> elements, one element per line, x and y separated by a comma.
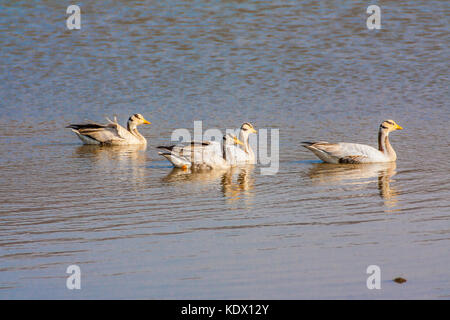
<point>132,128</point>
<point>244,137</point>
<point>384,145</point>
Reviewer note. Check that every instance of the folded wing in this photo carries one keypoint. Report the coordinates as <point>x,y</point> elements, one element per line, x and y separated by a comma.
<point>194,154</point>
<point>344,152</point>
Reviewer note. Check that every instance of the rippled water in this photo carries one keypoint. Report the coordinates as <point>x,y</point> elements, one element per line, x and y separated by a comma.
<point>139,229</point>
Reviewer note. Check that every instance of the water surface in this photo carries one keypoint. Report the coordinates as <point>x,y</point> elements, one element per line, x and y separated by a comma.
<point>139,229</point>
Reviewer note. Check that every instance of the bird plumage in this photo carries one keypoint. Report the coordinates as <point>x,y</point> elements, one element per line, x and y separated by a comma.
<point>344,152</point>
<point>243,154</point>
<point>111,133</point>
<point>200,155</point>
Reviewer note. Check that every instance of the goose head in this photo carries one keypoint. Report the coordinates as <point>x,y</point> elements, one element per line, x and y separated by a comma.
<point>246,129</point>
<point>389,126</point>
<point>136,120</point>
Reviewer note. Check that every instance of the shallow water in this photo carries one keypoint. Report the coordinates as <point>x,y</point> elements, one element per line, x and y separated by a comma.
<point>138,229</point>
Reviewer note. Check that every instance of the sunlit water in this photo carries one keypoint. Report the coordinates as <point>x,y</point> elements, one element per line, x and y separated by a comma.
<point>138,229</point>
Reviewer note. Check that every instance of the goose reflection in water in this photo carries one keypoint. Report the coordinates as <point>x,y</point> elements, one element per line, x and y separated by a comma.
<point>358,175</point>
<point>244,183</point>
<point>122,153</point>
<point>117,160</point>
<point>235,182</point>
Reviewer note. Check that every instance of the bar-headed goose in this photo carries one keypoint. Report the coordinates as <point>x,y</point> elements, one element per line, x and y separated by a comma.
<point>201,155</point>
<point>244,154</point>
<point>111,133</point>
<point>343,152</point>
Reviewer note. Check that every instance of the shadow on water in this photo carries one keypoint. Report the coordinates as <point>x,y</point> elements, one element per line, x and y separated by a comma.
<point>358,174</point>
<point>235,182</point>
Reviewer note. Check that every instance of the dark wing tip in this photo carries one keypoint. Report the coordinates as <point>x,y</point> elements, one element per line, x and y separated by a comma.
<point>351,159</point>
<point>200,143</point>
<point>86,126</point>
<point>170,148</point>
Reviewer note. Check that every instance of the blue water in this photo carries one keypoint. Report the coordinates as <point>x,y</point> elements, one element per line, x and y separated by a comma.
<point>138,230</point>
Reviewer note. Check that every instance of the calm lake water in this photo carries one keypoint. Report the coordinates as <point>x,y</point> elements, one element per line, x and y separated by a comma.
<point>138,229</point>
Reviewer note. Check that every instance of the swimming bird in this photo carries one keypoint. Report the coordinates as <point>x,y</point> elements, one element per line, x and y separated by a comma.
<point>111,133</point>
<point>343,152</point>
<point>201,155</point>
<point>244,154</point>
